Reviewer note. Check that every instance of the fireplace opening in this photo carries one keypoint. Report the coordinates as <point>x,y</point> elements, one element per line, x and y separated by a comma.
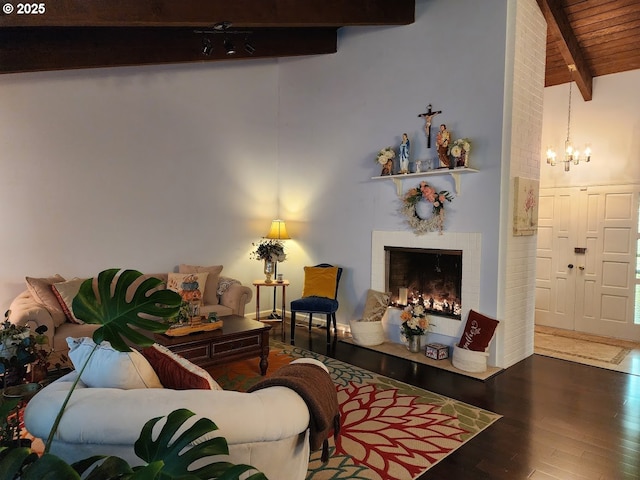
<point>429,277</point>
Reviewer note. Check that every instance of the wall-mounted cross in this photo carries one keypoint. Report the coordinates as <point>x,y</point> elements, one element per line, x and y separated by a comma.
<point>428,115</point>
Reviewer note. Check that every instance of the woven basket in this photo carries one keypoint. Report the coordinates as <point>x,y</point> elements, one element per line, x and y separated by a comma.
<point>367,333</point>
<point>469,360</point>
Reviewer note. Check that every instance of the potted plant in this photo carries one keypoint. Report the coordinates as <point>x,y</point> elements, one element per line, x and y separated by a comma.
<point>19,348</point>
<point>149,309</point>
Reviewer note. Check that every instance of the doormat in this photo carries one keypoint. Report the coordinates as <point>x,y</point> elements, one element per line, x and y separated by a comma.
<point>389,429</point>
<point>582,348</point>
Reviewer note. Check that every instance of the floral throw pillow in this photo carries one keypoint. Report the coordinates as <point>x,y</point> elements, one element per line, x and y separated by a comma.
<point>478,332</point>
<point>375,306</point>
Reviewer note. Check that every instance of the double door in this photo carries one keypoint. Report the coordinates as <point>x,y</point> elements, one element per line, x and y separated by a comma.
<point>586,260</point>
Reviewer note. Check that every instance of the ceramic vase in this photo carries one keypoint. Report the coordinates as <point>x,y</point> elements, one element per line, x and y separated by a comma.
<point>414,344</point>
<point>268,271</point>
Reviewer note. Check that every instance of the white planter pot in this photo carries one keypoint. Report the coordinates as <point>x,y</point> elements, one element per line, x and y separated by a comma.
<point>468,360</point>
<point>367,333</point>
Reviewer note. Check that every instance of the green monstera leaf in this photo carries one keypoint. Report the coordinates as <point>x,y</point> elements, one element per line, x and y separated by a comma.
<point>24,464</point>
<point>146,310</point>
<point>167,457</point>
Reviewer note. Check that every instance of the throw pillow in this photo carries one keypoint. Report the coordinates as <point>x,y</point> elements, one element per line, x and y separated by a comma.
<point>190,286</point>
<point>65,292</point>
<point>320,282</point>
<point>211,286</point>
<point>176,372</point>
<point>375,306</point>
<point>109,368</point>
<point>40,290</point>
<point>478,332</point>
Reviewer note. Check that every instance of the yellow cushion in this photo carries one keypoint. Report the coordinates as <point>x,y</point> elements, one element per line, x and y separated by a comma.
<point>320,282</point>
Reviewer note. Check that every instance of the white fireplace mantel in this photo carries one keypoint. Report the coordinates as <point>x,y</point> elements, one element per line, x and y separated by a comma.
<point>469,243</point>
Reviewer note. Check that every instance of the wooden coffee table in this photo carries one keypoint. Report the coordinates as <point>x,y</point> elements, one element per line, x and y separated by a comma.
<point>239,338</point>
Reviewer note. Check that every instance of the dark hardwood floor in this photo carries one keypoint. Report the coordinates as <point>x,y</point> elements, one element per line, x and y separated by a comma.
<point>561,420</point>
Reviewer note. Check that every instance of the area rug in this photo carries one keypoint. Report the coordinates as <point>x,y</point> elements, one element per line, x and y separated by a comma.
<point>603,352</point>
<point>390,430</point>
<point>399,350</point>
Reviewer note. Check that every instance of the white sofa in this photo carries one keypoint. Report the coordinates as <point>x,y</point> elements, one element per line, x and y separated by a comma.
<point>26,310</point>
<point>267,429</point>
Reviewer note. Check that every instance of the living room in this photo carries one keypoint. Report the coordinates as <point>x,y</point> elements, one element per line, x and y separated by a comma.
<point>148,167</point>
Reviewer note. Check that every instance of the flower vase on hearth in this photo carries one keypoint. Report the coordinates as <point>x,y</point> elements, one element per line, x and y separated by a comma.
<point>414,343</point>
<point>268,271</point>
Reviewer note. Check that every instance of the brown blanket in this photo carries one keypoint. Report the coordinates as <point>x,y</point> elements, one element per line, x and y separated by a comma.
<point>315,387</point>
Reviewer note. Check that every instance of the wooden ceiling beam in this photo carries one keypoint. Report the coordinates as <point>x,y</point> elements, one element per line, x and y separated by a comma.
<point>42,49</point>
<point>196,13</point>
<point>567,43</point>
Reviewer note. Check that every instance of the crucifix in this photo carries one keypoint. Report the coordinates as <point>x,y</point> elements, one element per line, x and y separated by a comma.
<point>428,115</point>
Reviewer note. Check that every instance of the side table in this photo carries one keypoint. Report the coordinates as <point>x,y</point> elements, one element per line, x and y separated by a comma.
<point>261,283</point>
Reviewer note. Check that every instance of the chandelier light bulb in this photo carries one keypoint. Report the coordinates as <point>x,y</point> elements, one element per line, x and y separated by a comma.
<point>551,156</point>
<point>587,153</point>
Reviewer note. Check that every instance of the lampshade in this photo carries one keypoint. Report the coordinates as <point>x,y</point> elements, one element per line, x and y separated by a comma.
<point>278,230</point>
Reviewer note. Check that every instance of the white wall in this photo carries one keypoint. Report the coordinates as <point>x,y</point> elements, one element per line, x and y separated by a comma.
<point>148,167</point>
<point>610,122</point>
<point>135,167</point>
<point>337,111</point>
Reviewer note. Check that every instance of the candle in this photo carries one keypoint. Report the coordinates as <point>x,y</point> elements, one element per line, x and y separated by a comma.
<point>402,297</point>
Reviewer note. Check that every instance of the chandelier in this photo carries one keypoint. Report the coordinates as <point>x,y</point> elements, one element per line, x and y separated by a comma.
<point>571,154</point>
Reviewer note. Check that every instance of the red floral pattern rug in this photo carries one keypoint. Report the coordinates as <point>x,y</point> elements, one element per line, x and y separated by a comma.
<point>390,430</point>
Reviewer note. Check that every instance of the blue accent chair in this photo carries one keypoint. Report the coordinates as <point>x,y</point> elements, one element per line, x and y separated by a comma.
<point>313,304</point>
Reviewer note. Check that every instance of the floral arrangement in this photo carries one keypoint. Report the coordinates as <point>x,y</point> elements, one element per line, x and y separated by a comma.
<point>385,155</point>
<point>272,250</point>
<point>415,321</point>
<point>425,192</point>
<point>459,148</point>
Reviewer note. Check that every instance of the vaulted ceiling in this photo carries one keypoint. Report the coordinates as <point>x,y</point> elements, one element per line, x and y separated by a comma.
<point>585,38</point>
<point>596,37</point>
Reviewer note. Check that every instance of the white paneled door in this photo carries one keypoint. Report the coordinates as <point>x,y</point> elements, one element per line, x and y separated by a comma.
<point>586,260</point>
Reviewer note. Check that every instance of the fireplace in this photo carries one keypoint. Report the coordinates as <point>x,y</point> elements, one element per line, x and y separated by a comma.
<point>425,276</point>
<point>469,243</point>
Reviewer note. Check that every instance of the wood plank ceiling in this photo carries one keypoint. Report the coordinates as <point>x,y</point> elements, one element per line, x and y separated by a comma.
<point>595,37</point>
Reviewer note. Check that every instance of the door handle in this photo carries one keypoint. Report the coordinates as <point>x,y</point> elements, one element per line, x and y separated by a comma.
<point>581,267</point>
<point>570,266</point>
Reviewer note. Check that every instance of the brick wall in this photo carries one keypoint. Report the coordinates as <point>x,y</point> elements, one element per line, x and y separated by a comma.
<point>517,307</point>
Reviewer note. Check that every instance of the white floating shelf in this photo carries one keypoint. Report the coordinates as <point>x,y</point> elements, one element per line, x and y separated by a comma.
<point>454,172</point>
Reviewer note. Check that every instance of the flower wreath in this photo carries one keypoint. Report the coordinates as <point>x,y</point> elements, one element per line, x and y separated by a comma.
<point>428,193</point>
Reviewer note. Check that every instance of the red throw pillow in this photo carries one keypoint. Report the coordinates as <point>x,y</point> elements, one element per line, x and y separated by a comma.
<point>478,332</point>
<point>176,372</point>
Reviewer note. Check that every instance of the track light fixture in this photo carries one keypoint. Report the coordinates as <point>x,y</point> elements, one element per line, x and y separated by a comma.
<point>229,46</point>
<point>207,47</point>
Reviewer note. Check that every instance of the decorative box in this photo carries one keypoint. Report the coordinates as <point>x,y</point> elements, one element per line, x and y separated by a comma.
<point>437,351</point>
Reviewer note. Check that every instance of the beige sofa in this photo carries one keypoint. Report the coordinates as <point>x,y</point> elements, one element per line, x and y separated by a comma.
<point>38,306</point>
<point>268,428</point>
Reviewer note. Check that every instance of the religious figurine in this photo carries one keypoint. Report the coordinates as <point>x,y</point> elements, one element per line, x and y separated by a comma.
<point>387,168</point>
<point>442,141</point>
<point>405,146</point>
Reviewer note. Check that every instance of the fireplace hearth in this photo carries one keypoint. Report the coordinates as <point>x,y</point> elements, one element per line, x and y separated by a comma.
<point>425,276</point>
